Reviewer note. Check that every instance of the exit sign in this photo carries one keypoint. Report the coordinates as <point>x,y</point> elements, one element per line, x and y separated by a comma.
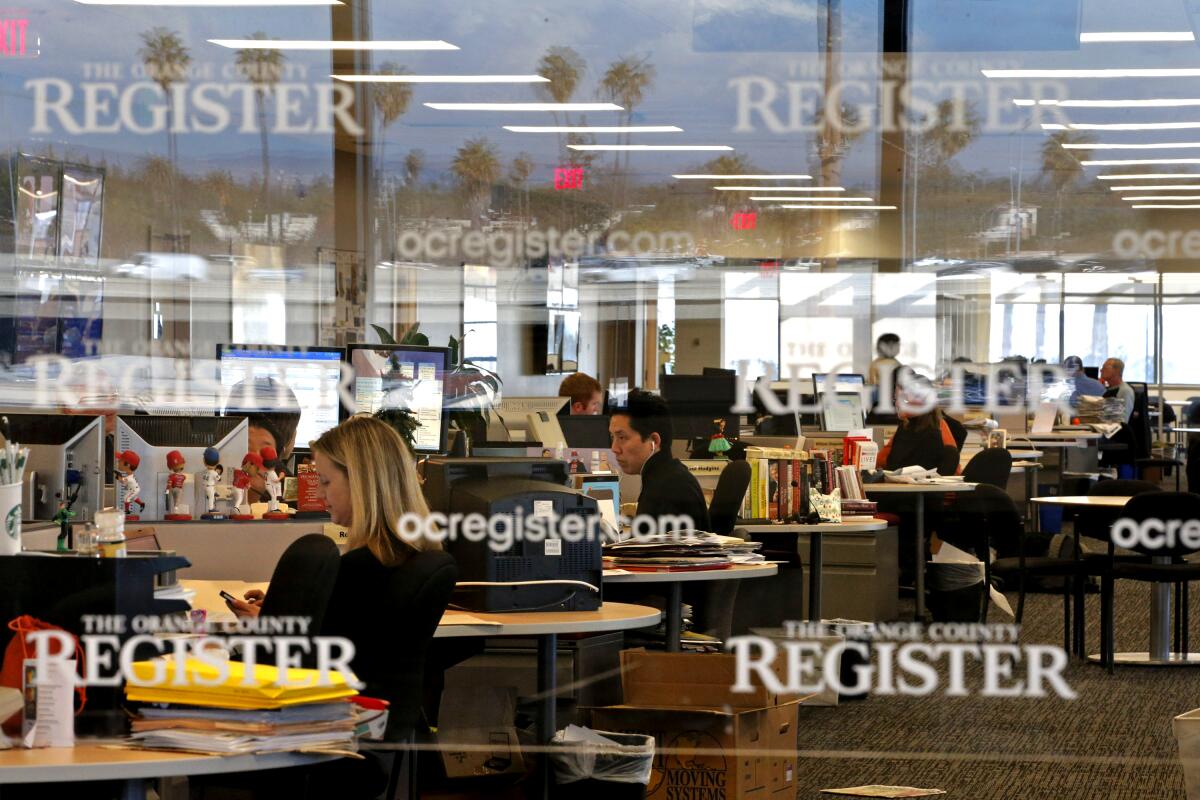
<point>15,39</point>
<point>568,178</point>
<point>744,221</point>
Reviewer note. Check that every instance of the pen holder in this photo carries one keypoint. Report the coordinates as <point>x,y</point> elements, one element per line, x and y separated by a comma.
<point>10,519</point>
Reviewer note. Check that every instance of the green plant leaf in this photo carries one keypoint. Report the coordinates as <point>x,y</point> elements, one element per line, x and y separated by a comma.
<point>385,336</point>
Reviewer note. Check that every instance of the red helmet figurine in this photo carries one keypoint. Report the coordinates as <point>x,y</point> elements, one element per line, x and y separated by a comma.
<point>130,459</point>
<point>175,460</point>
<point>253,459</point>
<point>269,456</point>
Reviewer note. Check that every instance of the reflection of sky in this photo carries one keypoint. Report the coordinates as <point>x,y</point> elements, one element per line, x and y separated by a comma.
<point>695,47</point>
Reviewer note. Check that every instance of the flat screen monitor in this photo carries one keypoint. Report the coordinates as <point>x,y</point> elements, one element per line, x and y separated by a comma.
<point>697,400</point>
<point>65,450</point>
<point>586,430</point>
<point>311,373</point>
<point>404,377</point>
<point>842,412</point>
<point>510,420</point>
<point>843,382</point>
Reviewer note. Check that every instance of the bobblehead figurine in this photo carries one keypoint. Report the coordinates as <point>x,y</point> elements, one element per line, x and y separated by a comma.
<point>251,466</point>
<point>274,483</point>
<point>127,464</point>
<point>209,479</point>
<point>175,483</point>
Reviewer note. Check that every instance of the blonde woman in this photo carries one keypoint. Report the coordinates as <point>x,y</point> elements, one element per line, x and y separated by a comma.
<point>390,592</point>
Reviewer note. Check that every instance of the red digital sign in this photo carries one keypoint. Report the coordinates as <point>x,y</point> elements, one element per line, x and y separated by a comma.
<point>744,221</point>
<point>14,39</point>
<point>568,178</point>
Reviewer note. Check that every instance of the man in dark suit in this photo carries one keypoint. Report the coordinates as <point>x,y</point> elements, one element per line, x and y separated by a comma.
<point>641,441</point>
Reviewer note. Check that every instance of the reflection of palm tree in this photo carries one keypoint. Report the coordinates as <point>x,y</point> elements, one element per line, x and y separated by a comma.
<point>167,59</point>
<point>727,165</point>
<point>955,128</point>
<point>477,168</point>
<point>390,101</point>
<point>263,68</point>
<point>1061,168</point>
<point>414,162</point>
<point>519,172</point>
<point>625,83</point>
<point>563,67</point>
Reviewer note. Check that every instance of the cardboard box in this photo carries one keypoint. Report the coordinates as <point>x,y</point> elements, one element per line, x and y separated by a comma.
<point>827,696</point>
<point>747,754</point>
<point>476,735</point>
<point>691,680</point>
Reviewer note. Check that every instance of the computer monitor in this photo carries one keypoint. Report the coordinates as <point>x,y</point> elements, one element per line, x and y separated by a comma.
<point>1092,372</point>
<point>842,382</point>
<point>58,444</point>
<point>526,419</point>
<point>697,400</point>
<point>312,373</point>
<point>406,377</point>
<point>842,412</point>
<point>586,430</point>
<point>153,437</point>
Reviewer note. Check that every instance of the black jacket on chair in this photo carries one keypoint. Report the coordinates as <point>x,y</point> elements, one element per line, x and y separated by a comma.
<point>391,613</point>
<point>668,488</point>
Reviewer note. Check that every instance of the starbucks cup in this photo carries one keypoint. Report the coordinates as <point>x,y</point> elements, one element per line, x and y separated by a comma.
<point>10,519</point>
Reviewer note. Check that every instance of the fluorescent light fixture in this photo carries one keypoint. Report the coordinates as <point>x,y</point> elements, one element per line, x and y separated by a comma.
<point>695,177</point>
<point>1053,126</point>
<point>1137,36</point>
<point>441,78</point>
<point>1152,176</point>
<point>1135,161</point>
<point>1148,146</point>
<point>593,128</point>
<point>649,147</point>
<point>185,3</point>
<point>844,208</point>
<point>524,106</point>
<point>1134,126</point>
<point>329,44</point>
<point>1163,197</point>
<point>1152,72</point>
<point>780,188</point>
<point>822,199</point>
<point>1152,205</point>
<point>1166,187</point>
<point>1154,102</point>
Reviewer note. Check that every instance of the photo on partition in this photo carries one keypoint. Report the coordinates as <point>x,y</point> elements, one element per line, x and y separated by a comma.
<point>997,438</point>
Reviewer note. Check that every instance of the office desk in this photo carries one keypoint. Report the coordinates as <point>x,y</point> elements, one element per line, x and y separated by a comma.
<point>675,581</point>
<point>89,761</point>
<point>918,492</point>
<point>815,533</point>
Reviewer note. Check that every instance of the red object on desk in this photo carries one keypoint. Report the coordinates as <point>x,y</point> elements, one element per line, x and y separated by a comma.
<point>675,569</point>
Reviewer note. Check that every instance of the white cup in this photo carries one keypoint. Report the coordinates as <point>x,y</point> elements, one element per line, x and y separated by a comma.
<point>10,519</point>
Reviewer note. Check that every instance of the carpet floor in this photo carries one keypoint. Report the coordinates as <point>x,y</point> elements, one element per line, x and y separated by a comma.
<point>1113,741</point>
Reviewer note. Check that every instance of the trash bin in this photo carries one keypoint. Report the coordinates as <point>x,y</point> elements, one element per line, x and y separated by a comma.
<point>599,765</point>
<point>955,591</point>
<point>1187,734</point>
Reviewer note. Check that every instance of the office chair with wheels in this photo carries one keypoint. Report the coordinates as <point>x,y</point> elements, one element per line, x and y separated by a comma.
<point>728,496</point>
<point>992,466</point>
<point>949,463</point>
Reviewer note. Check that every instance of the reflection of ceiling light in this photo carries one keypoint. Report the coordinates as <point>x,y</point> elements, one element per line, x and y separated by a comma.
<point>1133,126</point>
<point>165,3</point>
<point>593,128</point>
<point>1133,161</point>
<point>1053,126</point>
<point>1150,146</point>
<point>822,199</point>
<point>780,188</point>
<point>1164,197</point>
<point>1153,176</point>
<point>1184,72</point>
<point>39,194</point>
<point>649,147</point>
<point>78,182</point>
<point>441,78</point>
<point>1137,36</point>
<point>329,44</point>
<point>1155,102</point>
<point>1165,187</point>
<point>524,106</point>
<point>845,208</point>
<point>744,177</point>
<point>1151,205</point>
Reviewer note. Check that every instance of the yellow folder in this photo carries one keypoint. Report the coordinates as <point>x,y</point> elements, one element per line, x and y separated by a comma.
<point>259,689</point>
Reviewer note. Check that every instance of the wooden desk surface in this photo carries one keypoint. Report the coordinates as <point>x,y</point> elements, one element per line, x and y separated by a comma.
<point>609,617</point>
<point>736,572</point>
<point>917,488</point>
<point>1094,501</point>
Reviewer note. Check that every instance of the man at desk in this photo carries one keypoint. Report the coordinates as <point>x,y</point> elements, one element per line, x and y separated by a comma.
<point>641,441</point>
<point>1112,375</point>
<point>1073,366</point>
<point>587,396</point>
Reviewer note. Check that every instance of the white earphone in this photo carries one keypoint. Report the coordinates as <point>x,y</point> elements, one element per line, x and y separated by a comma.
<point>653,447</point>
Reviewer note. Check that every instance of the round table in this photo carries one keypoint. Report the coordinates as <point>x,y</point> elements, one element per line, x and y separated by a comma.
<point>675,581</point>
<point>89,761</point>
<point>918,491</point>
<point>1159,654</point>
<point>816,532</point>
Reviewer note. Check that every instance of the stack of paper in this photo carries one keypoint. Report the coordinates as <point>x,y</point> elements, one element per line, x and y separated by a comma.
<point>691,550</point>
<point>245,713</point>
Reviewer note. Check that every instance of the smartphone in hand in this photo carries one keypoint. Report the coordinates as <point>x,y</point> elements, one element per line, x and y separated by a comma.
<point>227,597</point>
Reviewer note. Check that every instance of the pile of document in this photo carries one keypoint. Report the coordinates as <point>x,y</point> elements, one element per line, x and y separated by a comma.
<point>242,714</point>
<point>916,474</point>
<point>680,551</point>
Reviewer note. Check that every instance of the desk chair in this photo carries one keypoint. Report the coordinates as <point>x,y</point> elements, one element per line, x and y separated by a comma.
<point>728,496</point>
<point>949,463</point>
<point>992,466</point>
<point>1165,506</point>
<point>303,582</point>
